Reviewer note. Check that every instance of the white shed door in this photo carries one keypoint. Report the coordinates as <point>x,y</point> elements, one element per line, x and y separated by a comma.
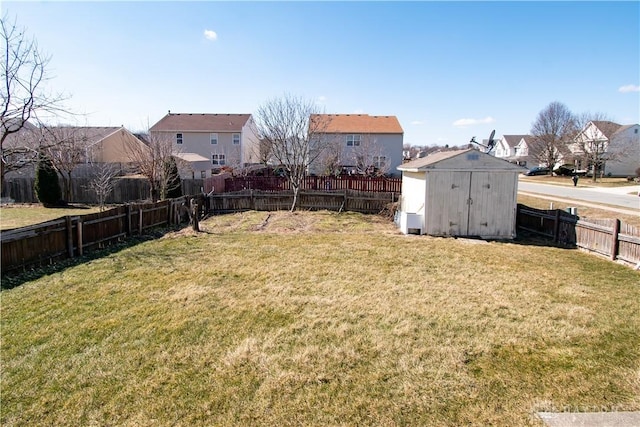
<point>490,193</point>
<point>467,204</point>
<point>448,203</point>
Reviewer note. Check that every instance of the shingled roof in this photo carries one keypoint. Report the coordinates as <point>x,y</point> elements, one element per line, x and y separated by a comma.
<point>484,161</point>
<point>512,140</point>
<point>359,123</point>
<point>196,122</point>
<point>607,128</point>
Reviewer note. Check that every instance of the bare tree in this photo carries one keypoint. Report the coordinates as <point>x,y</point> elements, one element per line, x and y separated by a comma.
<point>263,151</point>
<point>102,182</point>
<point>296,135</point>
<point>151,159</point>
<point>234,162</point>
<point>65,146</point>
<point>370,158</point>
<point>24,98</point>
<point>330,161</point>
<point>552,132</point>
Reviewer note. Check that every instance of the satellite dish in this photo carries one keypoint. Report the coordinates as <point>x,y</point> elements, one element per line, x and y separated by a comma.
<point>490,143</point>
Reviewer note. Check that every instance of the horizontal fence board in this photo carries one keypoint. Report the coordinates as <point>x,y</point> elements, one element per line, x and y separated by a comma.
<point>51,240</point>
<point>597,235</point>
<point>125,190</point>
<point>307,200</point>
<point>276,183</point>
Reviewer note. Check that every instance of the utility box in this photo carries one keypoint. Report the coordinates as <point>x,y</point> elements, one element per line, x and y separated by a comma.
<point>410,223</point>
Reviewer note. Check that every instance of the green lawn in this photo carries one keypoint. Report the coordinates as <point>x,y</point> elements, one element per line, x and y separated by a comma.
<point>320,319</point>
<point>20,215</point>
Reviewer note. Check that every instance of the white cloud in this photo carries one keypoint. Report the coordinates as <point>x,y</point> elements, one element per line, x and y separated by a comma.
<point>470,122</point>
<point>629,88</point>
<point>417,122</point>
<point>358,111</point>
<point>210,35</point>
<point>322,98</point>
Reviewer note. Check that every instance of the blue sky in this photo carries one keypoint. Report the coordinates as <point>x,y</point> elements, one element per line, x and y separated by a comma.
<point>447,70</point>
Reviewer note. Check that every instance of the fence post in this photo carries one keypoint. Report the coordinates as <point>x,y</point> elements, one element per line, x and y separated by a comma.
<point>615,242</point>
<point>69,236</point>
<point>79,230</point>
<point>140,220</point>
<point>195,210</point>
<point>556,226</point>
<point>128,212</point>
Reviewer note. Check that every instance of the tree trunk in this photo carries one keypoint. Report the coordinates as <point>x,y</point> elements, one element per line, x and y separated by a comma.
<point>295,198</point>
<point>195,212</point>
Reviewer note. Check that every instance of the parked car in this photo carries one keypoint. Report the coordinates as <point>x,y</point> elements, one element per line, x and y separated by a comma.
<point>538,170</point>
<point>569,170</point>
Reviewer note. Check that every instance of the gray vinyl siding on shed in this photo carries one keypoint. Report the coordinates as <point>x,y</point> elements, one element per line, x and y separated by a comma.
<point>465,194</point>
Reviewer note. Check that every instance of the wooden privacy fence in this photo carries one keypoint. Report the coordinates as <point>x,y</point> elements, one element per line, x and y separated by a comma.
<point>339,200</point>
<point>328,183</point>
<point>71,236</point>
<point>125,190</point>
<point>609,237</point>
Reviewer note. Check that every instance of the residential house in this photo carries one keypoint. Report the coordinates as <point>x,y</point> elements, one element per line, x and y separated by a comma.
<point>106,144</point>
<point>225,140</point>
<point>510,148</point>
<point>616,147</point>
<point>85,145</point>
<point>364,143</point>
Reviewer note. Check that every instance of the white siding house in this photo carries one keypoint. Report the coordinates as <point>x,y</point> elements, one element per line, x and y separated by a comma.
<point>617,145</point>
<point>225,140</point>
<point>459,193</point>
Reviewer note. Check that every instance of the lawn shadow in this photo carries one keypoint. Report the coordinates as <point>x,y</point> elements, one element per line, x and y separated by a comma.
<point>17,277</point>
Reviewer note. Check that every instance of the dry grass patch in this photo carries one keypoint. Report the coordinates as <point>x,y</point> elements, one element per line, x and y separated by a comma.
<point>346,323</point>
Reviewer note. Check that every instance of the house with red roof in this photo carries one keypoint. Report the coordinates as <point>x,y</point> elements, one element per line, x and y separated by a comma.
<point>361,144</point>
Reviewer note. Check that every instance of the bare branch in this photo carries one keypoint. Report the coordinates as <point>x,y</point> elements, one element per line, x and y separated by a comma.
<point>295,135</point>
<point>24,98</point>
<point>551,133</point>
<point>151,159</point>
<point>103,182</point>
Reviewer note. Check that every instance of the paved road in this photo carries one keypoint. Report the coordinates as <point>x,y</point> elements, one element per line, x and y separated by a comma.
<point>616,196</point>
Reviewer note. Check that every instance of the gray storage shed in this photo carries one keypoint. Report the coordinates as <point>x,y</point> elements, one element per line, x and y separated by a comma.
<point>459,193</point>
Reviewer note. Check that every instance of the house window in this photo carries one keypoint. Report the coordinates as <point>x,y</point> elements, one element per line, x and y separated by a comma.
<point>236,139</point>
<point>178,138</point>
<point>353,140</point>
<point>213,138</point>
<point>218,159</point>
<point>379,161</point>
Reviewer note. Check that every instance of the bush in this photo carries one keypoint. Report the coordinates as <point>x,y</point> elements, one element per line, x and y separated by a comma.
<point>174,183</point>
<point>47,186</point>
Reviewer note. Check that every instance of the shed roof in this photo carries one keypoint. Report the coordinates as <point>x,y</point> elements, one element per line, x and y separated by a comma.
<point>463,160</point>
<point>359,123</point>
<point>201,122</point>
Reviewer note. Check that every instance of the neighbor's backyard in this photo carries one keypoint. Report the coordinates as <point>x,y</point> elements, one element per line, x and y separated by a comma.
<point>320,319</point>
